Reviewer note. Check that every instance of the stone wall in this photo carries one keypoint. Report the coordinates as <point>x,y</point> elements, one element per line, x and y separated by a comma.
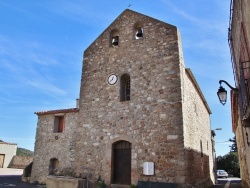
<point>242,153</point>
<point>239,43</point>
<point>197,132</point>
<point>152,120</point>
<point>9,151</point>
<point>51,145</point>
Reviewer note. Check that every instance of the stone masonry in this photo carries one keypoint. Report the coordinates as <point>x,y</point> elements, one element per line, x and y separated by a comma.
<point>166,120</point>
<point>50,145</point>
<point>239,43</point>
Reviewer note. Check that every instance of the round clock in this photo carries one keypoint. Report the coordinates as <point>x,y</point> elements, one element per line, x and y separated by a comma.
<point>112,79</point>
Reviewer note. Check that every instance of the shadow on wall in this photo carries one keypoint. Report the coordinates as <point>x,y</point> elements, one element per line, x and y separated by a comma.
<point>197,172</point>
<point>198,168</point>
<point>27,173</point>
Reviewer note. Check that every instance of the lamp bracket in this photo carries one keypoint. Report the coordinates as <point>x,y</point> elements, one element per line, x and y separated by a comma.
<point>232,88</point>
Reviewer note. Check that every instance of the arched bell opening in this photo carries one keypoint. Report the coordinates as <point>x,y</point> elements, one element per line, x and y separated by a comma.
<point>138,30</point>
<point>114,38</point>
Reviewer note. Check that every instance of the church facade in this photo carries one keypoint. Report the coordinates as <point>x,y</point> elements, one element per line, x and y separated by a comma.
<point>141,116</point>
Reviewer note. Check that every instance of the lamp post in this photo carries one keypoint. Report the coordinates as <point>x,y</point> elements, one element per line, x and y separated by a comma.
<point>222,93</point>
<point>214,152</point>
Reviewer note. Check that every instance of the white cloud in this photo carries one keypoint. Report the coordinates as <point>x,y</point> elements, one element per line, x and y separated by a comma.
<point>28,64</point>
<point>205,24</point>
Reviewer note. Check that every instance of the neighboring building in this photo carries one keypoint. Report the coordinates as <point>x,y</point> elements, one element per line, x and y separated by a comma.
<point>141,117</point>
<point>239,41</point>
<point>7,152</point>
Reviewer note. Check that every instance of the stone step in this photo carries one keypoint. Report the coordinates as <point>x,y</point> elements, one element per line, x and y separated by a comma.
<point>119,186</point>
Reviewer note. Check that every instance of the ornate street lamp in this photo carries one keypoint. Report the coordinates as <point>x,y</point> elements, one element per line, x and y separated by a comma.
<point>222,93</point>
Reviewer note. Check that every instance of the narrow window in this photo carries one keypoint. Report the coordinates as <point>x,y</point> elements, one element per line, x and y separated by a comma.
<point>125,88</point>
<point>201,148</point>
<point>59,124</point>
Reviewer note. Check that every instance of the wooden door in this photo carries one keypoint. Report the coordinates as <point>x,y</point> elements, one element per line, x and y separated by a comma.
<point>60,124</point>
<point>122,163</point>
<point>1,160</point>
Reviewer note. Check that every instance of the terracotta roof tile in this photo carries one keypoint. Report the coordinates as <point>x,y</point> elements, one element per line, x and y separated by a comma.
<point>57,111</point>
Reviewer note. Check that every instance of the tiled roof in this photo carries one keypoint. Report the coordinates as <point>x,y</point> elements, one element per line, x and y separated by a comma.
<point>7,143</point>
<point>57,111</point>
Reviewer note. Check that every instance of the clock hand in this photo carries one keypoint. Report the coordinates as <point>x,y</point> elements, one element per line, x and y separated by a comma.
<point>112,79</point>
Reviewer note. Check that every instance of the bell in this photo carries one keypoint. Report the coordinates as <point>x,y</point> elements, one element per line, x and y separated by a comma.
<point>115,41</point>
<point>139,33</point>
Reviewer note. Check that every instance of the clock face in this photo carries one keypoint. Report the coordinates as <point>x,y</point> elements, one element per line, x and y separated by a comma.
<point>112,79</point>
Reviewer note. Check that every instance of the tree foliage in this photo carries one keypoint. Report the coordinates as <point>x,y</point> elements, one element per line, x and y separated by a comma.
<point>24,152</point>
<point>233,147</point>
<point>229,163</point>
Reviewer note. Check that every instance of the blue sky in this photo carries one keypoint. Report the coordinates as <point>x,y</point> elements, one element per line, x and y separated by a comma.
<point>42,43</point>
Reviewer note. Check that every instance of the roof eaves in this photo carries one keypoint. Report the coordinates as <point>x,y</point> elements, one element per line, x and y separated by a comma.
<point>191,76</point>
<point>69,110</point>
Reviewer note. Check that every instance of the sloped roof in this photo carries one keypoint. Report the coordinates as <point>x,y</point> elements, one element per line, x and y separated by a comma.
<point>69,110</point>
<point>7,143</point>
<point>193,80</point>
<point>127,11</point>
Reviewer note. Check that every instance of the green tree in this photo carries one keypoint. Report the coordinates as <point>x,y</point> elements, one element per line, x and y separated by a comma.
<point>233,147</point>
<point>229,163</point>
<point>24,152</point>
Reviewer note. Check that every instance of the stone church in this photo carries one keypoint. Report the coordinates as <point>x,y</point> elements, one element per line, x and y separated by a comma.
<point>141,117</point>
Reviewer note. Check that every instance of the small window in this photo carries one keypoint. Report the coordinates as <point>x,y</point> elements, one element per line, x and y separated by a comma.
<point>59,124</point>
<point>125,88</point>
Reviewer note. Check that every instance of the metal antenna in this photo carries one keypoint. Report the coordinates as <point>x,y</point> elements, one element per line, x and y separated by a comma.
<point>129,5</point>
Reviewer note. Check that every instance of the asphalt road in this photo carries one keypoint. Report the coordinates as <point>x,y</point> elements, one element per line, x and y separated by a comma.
<point>228,183</point>
<point>12,178</point>
<point>15,181</point>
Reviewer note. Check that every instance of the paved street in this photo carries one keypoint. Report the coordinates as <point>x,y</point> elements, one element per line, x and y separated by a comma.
<point>228,183</point>
<point>15,181</point>
<point>12,178</point>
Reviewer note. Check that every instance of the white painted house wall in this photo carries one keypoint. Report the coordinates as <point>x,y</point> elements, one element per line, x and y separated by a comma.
<point>9,150</point>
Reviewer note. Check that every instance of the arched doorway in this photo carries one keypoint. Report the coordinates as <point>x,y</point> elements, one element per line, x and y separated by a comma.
<point>53,166</point>
<point>122,163</point>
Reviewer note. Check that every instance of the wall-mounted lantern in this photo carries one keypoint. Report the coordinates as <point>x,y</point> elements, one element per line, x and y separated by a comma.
<point>222,93</point>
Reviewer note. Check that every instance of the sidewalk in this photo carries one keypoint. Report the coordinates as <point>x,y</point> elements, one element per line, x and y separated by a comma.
<point>10,171</point>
